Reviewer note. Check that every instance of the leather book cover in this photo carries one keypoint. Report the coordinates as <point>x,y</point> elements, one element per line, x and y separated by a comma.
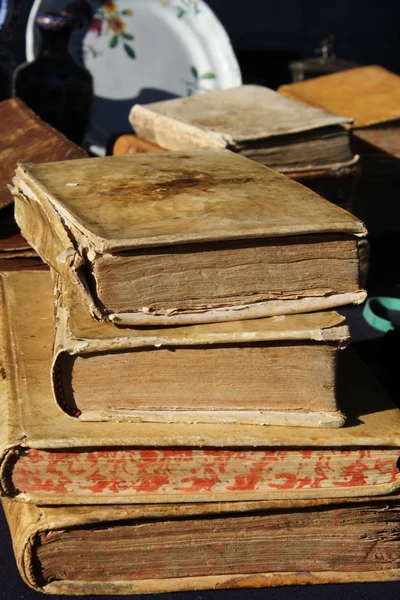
<point>368,95</point>
<point>226,118</point>
<point>24,136</point>
<point>122,549</point>
<point>278,402</point>
<point>117,208</point>
<point>50,458</point>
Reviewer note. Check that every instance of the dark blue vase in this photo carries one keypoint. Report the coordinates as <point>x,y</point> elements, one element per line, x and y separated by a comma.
<point>55,85</point>
<point>9,12</point>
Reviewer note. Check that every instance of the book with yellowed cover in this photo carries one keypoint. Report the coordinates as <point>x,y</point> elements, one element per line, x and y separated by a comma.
<point>182,547</point>
<point>188,237</point>
<point>48,457</point>
<point>254,121</point>
<point>272,371</point>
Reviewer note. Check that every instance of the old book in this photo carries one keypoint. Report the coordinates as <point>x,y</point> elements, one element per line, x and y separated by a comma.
<point>24,136</point>
<point>165,548</point>
<point>252,120</point>
<point>336,185</point>
<point>200,236</point>
<point>50,458</point>
<point>276,370</point>
<point>369,95</point>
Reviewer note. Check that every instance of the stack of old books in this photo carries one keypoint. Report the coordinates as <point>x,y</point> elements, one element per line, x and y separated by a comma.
<point>307,144</point>
<point>370,96</point>
<point>198,440</point>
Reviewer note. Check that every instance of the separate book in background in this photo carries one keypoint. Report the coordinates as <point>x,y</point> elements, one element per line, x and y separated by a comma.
<point>371,96</point>
<point>50,458</point>
<point>24,136</point>
<point>366,95</point>
<point>277,370</point>
<point>185,237</point>
<point>252,120</point>
<point>165,548</point>
<point>307,144</point>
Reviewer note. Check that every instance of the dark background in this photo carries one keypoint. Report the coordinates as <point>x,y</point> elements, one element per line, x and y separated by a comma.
<point>268,34</point>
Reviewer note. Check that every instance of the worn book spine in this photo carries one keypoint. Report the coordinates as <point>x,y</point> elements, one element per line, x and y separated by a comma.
<point>313,542</point>
<point>171,134</point>
<point>46,233</point>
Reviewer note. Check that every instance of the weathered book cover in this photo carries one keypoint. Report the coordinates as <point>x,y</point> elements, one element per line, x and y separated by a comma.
<point>276,370</point>
<point>334,184</point>
<point>181,547</point>
<point>50,458</point>
<point>24,136</point>
<point>177,238</point>
<point>369,95</point>
<point>253,120</point>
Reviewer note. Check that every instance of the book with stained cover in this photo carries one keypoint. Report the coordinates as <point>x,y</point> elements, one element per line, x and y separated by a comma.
<point>47,457</point>
<point>277,370</point>
<point>336,185</point>
<point>254,121</point>
<point>188,237</point>
<point>182,547</point>
<point>24,136</point>
<point>367,95</point>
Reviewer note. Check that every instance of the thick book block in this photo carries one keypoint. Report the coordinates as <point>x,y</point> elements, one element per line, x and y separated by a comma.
<point>200,236</point>
<point>253,121</point>
<point>276,370</point>
<point>24,136</point>
<point>369,95</point>
<point>166,548</point>
<point>48,457</point>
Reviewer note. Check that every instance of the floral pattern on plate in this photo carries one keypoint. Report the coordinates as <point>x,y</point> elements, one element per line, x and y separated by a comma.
<point>184,7</point>
<point>141,51</point>
<point>108,20</point>
<point>196,85</point>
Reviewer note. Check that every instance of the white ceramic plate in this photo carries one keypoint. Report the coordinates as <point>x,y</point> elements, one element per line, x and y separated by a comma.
<point>144,51</point>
